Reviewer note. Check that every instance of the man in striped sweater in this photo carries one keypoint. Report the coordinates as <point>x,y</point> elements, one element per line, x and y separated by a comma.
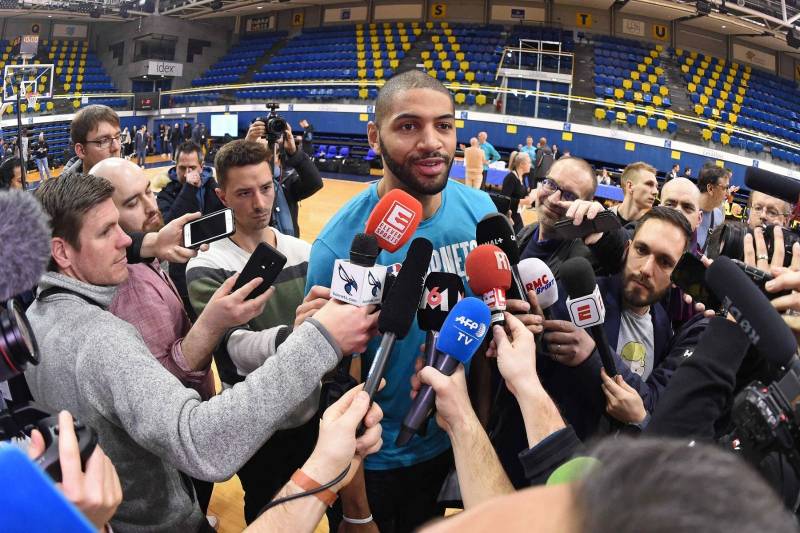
<point>246,186</point>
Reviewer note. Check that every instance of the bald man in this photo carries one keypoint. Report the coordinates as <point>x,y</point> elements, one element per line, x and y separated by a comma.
<point>150,302</point>
<point>683,195</point>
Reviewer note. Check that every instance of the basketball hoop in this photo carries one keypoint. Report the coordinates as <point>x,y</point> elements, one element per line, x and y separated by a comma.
<point>32,97</point>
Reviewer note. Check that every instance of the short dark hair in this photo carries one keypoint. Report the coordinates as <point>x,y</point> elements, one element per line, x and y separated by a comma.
<point>239,153</point>
<point>656,481</point>
<point>672,216</point>
<point>709,175</point>
<point>189,146</point>
<point>88,118</point>
<point>7,171</point>
<point>67,198</point>
<point>412,79</point>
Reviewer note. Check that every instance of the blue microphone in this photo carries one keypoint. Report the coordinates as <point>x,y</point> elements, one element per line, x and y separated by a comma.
<point>462,333</point>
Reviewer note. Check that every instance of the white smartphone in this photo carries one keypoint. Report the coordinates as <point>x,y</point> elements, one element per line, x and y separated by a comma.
<point>209,228</point>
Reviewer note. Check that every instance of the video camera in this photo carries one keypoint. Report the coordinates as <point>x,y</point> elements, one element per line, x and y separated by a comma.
<point>274,123</point>
<point>728,239</point>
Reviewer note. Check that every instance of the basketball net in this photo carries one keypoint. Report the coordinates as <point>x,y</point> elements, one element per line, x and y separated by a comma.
<point>32,97</point>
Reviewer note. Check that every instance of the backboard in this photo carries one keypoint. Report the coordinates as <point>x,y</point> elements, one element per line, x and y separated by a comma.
<point>33,78</point>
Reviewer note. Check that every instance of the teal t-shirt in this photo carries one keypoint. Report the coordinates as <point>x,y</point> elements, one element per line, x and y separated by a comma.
<point>451,230</point>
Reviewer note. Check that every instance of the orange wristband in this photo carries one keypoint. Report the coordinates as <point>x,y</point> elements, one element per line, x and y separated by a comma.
<point>300,479</point>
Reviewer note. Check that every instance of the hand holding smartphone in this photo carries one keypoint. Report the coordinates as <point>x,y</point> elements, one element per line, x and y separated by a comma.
<point>209,228</point>
<point>266,263</point>
<point>603,222</point>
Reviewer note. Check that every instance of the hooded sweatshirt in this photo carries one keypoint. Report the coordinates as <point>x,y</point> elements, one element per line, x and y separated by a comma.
<point>152,427</point>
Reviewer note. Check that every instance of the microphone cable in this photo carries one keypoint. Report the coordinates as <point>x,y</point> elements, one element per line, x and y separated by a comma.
<point>285,499</point>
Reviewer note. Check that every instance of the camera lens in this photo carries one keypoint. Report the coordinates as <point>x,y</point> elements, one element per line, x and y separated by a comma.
<point>18,346</point>
<point>276,125</point>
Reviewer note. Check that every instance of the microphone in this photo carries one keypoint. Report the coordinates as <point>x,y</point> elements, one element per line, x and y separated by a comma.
<point>495,229</point>
<point>760,322</point>
<point>24,242</point>
<point>359,281</point>
<point>585,305</point>
<point>536,275</point>
<point>489,274</point>
<point>399,310</point>
<point>773,184</point>
<point>462,333</point>
<point>442,292</point>
<point>394,219</point>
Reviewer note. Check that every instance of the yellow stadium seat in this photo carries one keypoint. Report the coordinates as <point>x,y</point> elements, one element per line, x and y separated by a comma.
<point>649,111</point>
<point>450,75</point>
<point>696,79</point>
<point>652,78</point>
<point>78,87</point>
<point>59,70</point>
<point>404,39</point>
<point>417,31</point>
<point>659,71</point>
<point>463,65</point>
<point>49,106</point>
<point>661,124</point>
<point>469,76</point>
<point>679,52</point>
<point>707,91</point>
<point>706,134</point>
<point>723,95</point>
<point>659,48</point>
<point>599,113</point>
<point>394,63</point>
<point>621,117</point>
<point>76,104</point>
<point>40,88</point>
<point>627,84</point>
<point>720,104</point>
<point>446,64</point>
<point>392,54</point>
<point>733,118</point>
<point>445,25</point>
<point>742,90</point>
<point>429,25</point>
<point>648,60</point>
<point>68,77</point>
<point>738,98</point>
<point>685,69</point>
<point>455,47</point>
<point>426,54</point>
<point>618,93</point>
<point>439,48</point>
<point>428,64</point>
<point>456,86</point>
<point>37,107</point>
<point>726,87</point>
<point>657,101</point>
<point>704,64</point>
<point>712,83</point>
<point>635,75</point>
<point>23,108</point>
<point>690,61</point>
<point>641,67</point>
<point>641,121</point>
<point>663,90</point>
<point>630,107</point>
<point>460,56</point>
<point>363,94</point>
<point>653,54</point>
<point>451,38</point>
<point>715,75</point>
<point>480,99</point>
<point>725,138</point>
<point>701,72</point>
<point>748,69</point>
<point>377,63</point>
<point>67,87</point>
<point>362,63</point>
<point>645,87</point>
<point>698,109</point>
<point>362,73</point>
<point>715,112</point>
<point>435,38</point>
<point>432,73</point>
<point>669,114</point>
<point>728,128</point>
<point>448,32</point>
<point>460,98</point>
<point>610,103</point>
<point>637,96</point>
<point>703,99</point>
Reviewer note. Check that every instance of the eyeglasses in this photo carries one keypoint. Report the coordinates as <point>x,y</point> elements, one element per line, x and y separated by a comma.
<point>771,212</point>
<point>551,187</point>
<point>105,142</point>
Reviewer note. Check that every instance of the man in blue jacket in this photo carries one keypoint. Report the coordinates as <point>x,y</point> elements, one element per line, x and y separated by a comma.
<point>637,326</point>
<point>190,189</point>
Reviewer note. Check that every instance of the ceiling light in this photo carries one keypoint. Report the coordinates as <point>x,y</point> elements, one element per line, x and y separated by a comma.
<point>724,26</point>
<point>260,7</point>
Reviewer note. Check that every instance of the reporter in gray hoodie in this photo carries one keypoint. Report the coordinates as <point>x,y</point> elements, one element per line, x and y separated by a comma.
<point>98,367</point>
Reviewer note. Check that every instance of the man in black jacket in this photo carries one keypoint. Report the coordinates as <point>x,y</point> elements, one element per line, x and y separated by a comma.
<point>39,151</point>
<point>190,189</point>
<point>296,175</point>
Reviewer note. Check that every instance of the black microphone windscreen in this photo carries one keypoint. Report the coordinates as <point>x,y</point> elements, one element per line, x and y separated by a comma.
<point>773,184</point>
<point>495,229</point>
<point>400,309</point>
<point>24,242</point>
<point>577,276</point>
<point>442,292</point>
<point>760,322</point>
<point>364,250</point>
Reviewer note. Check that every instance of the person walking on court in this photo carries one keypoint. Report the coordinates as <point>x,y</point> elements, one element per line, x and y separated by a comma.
<point>40,150</point>
<point>141,146</point>
<point>474,161</point>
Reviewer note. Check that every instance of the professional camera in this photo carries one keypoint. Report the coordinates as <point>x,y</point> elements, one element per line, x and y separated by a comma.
<point>18,349</point>
<point>767,417</point>
<point>728,239</point>
<point>274,123</point>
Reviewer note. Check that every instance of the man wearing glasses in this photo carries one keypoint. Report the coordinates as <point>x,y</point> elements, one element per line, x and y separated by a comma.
<point>765,209</point>
<point>713,183</point>
<point>95,134</point>
<point>567,192</point>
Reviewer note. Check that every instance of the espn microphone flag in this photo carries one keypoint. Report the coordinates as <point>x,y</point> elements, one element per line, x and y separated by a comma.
<point>462,333</point>
<point>394,219</point>
<point>489,273</point>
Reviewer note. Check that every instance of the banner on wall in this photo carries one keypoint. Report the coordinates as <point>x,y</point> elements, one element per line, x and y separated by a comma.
<point>516,13</point>
<point>746,54</point>
<point>259,24</point>
<point>297,19</point>
<point>70,31</point>
<point>660,32</point>
<point>633,27</point>
<point>438,11</point>
<point>583,20</point>
<point>354,14</point>
<point>165,68</point>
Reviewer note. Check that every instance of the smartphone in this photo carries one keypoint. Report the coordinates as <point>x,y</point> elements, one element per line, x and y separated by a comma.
<point>209,228</point>
<point>604,221</point>
<point>760,278</point>
<point>690,276</point>
<point>266,263</point>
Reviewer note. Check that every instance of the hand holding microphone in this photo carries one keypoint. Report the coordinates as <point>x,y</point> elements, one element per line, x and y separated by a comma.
<point>495,229</point>
<point>489,274</point>
<point>442,292</point>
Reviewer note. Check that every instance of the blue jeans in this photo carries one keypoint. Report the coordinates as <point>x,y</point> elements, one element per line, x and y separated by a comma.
<point>140,155</point>
<point>44,168</point>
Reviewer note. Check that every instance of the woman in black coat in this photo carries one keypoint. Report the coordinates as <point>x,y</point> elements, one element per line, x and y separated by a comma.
<point>514,186</point>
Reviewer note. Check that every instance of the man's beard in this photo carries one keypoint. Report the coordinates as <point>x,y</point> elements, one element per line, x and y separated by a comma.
<point>405,172</point>
<point>633,298</point>
<point>150,226</point>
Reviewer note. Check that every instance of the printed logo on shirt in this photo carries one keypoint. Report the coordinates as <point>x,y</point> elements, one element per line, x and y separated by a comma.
<point>635,354</point>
